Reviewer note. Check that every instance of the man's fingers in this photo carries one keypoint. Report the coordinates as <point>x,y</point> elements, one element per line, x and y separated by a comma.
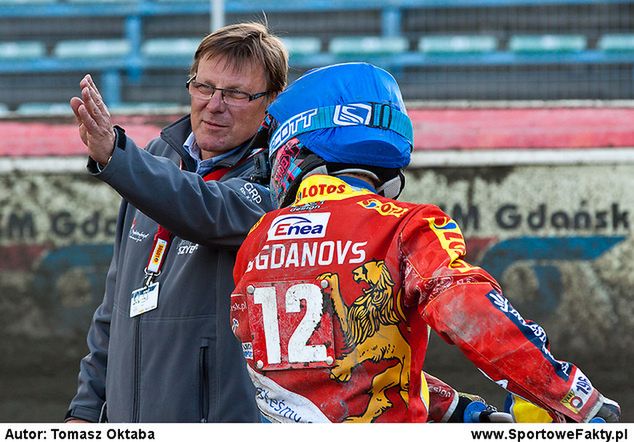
<point>96,95</point>
<point>90,81</point>
<point>97,109</point>
<point>86,119</point>
<point>81,117</point>
<point>93,119</point>
<point>89,101</point>
<point>75,102</point>
<point>87,81</point>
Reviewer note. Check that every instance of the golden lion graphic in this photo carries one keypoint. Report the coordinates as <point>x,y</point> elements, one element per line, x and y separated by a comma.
<point>369,327</point>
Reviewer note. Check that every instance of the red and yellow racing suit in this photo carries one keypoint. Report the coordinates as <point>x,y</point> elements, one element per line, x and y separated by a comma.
<point>334,299</point>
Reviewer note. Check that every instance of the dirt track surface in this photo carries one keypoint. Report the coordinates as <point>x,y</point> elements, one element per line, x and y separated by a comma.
<point>42,395</point>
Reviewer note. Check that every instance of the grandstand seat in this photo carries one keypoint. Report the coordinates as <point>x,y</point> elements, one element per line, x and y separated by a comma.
<point>548,43</point>
<point>170,47</point>
<point>44,109</point>
<point>368,45</point>
<point>457,44</point>
<point>24,2</point>
<point>92,48</point>
<point>101,1</point>
<point>302,45</point>
<point>146,108</point>
<point>616,43</point>
<point>22,50</point>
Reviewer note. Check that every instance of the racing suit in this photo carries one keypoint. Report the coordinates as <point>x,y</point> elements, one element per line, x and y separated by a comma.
<point>334,299</point>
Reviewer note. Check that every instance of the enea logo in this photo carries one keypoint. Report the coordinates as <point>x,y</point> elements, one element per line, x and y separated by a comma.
<point>386,208</point>
<point>311,225</point>
<point>352,114</point>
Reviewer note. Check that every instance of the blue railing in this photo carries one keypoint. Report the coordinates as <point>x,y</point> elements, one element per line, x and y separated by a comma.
<point>111,70</point>
<point>134,12</point>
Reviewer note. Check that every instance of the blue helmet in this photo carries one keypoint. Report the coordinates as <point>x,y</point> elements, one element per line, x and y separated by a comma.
<point>347,116</point>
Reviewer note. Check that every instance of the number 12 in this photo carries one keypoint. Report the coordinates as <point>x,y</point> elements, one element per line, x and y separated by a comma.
<point>299,351</point>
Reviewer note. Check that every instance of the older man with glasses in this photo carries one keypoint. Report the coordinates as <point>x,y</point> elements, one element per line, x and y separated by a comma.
<point>160,345</point>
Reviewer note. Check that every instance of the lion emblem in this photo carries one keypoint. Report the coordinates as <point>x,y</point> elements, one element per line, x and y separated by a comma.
<point>370,330</point>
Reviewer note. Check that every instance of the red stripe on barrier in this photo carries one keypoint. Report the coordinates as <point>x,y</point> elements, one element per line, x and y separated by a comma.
<point>522,128</point>
<point>45,138</point>
<point>434,129</point>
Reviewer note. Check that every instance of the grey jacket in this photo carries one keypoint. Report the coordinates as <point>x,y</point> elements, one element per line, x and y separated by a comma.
<point>179,362</point>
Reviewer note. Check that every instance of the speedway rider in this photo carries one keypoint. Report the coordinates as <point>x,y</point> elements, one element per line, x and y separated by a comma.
<point>336,291</point>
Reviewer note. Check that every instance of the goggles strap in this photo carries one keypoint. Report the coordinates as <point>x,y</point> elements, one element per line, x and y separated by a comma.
<point>376,115</point>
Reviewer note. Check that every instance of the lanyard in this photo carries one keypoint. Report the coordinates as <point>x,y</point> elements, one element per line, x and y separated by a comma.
<point>163,237</point>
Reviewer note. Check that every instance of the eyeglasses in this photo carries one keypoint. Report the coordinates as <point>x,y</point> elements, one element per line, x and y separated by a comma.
<point>232,97</point>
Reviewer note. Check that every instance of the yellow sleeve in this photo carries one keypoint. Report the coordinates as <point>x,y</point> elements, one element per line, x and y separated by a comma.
<point>526,412</point>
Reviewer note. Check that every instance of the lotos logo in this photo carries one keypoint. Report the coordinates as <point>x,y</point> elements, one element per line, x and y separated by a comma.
<point>311,225</point>
<point>352,114</point>
<point>321,189</point>
<point>161,244</point>
<point>451,240</point>
<point>386,208</point>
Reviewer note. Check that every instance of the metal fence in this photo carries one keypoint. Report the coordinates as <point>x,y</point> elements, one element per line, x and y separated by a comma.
<point>140,50</point>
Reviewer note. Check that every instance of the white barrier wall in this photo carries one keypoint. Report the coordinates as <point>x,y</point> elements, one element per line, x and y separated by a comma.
<point>56,233</point>
<point>558,239</point>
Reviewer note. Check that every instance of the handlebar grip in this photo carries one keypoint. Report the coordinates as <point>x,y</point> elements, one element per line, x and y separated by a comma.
<point>473,412</point>
<point>477,412</point>
<point>597,420</point>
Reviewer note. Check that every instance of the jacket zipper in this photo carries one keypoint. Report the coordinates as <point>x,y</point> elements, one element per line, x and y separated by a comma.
<point>203,380</point>
<point>137,363</point>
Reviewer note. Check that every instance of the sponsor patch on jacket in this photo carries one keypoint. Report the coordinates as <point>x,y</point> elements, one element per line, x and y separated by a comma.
<point>251,192</point>
<point>449,235</point>
<point>289,226</point>
<point>186,247</point>
<point>137,235</point>
<point>451,240</point>
<point>307,207</point>
<point>385,208</point>
<point>323,187</point>
<point>247,350</point>
<point>580,393</point>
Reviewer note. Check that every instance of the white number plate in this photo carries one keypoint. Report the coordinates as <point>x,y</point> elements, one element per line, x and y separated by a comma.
<point>291,326</point>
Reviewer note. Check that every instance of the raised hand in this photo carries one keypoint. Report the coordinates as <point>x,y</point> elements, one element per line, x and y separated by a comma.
<point>95,126</point>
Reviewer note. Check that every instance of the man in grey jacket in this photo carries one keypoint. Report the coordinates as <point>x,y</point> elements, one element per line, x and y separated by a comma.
<point>160,345</point>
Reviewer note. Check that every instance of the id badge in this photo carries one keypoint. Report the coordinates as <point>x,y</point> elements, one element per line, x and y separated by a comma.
<point>144,299</point>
